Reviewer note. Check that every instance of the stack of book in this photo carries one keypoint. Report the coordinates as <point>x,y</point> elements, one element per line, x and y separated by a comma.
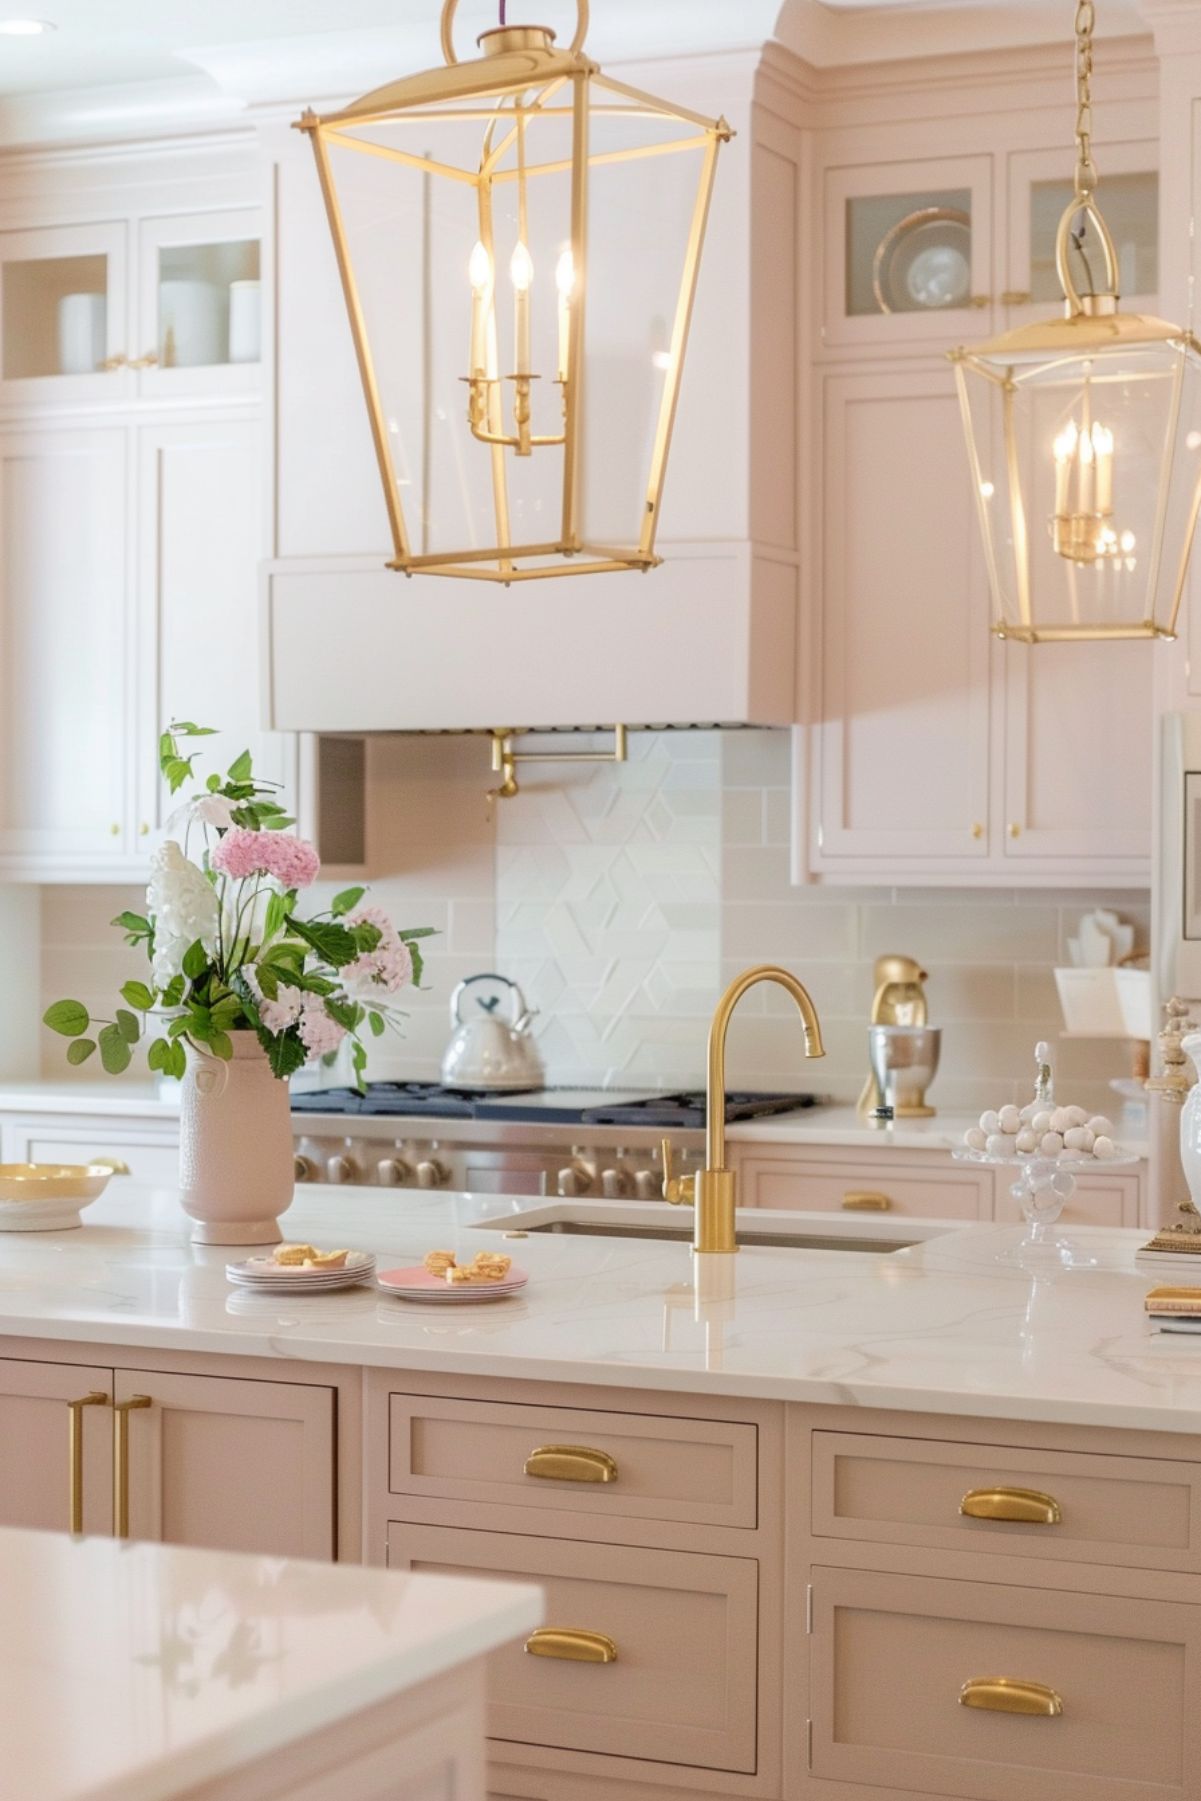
<point>1173,1309</point>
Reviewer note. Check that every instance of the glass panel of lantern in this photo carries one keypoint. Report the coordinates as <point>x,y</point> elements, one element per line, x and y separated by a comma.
<point>1086,468</point>
<point>455,279</point>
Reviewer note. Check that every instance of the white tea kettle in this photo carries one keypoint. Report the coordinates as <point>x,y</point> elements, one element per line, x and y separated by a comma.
<point>491,1044</point>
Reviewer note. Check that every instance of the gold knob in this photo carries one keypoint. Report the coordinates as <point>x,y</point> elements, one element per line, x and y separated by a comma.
<point>113,1165</point>
<point>114,829</point>
<point>144,362</point>
<point>143,830</point>
<point>865,1201</point>
<point>1015,830</point>
<point>977,830</point>
<point>1000,1694</point>
<point>569,1642</point>
<point>1015,297</point>
<point>121,1412</point>
<point>980,300</point>
<point>113,362</point>
<point>75,1455</point>
<point>571,1463</point>
<point>1025,1506</point>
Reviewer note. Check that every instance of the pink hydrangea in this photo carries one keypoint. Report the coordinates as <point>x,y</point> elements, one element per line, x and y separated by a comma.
<point>283,1011</point>
<point>385,969</point>
<point>318,1032</point>
<point>291,860</point>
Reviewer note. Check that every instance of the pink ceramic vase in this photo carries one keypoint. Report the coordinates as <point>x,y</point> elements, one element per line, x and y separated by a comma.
<point>236,1173</point>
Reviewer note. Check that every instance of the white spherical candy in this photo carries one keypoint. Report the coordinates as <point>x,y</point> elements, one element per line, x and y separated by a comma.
<point>1078,1116</point>
<point>1026,1141</point>
<point>1061,1119</point>
<point>999,1145</point>
<point>1104,1148</point>
<point>1051,1144</point>
<point>975,1139</point>
<point>1010,1120</point>
<point>1100,1127</point>
<point>990,1121</point>
<point>1078,1138</point>
<point>1042,1121</point>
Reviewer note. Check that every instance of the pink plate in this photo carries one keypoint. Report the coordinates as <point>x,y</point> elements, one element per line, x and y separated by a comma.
<point>420,1278</point>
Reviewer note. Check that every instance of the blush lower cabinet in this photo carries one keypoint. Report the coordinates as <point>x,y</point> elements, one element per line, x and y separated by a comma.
<point>47,1410</point>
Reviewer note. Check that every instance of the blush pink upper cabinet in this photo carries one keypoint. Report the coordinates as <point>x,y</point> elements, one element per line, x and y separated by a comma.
<point>907,252</point>
<point>1040,187</point>
<point>231,1465</point>
<point>902,735</point>
<point>35,1469</point>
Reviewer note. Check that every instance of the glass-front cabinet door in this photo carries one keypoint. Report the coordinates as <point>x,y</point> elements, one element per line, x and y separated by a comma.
<point>200,322</point>
<point>908,252</point>
<point>1040,188</point>
<point>63,314</point>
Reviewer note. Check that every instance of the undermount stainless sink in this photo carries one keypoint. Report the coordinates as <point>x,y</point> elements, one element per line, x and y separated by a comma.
<point>655,1221</point>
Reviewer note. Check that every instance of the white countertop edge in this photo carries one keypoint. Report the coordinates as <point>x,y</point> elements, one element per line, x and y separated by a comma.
<point>513,1609</point>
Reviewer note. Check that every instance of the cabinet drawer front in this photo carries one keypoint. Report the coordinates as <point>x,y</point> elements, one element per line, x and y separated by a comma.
<point>892,1653</point>
<point>833,1188</point>
<point>682,1687</point>
<point>155,1164</point>
<point>1130,1511</point>
<point>1098,1201</point>
<point>693,1471</point>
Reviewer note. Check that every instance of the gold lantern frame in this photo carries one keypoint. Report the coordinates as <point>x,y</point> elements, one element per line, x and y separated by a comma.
<point>520,77</point>
<point>1092,329</point>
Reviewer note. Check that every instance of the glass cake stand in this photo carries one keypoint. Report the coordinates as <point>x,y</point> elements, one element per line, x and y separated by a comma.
<point>1043,1188</point>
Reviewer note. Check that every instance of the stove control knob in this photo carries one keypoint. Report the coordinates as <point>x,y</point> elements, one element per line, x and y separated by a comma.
<point>574,1180</point>
<point>615,1184</point>
<point>432,1174</point>
<point>304,1169</point>
<point>341,1168</point>
<point>391,1172</point>
<point>648,1186</point>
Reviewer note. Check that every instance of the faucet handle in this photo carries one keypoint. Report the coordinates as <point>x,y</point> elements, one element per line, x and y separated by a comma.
<point>677,1190</point>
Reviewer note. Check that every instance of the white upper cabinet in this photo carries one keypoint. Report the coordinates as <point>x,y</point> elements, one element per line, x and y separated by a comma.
<point>199,312</point>
<point>1038,195</point>
<point>64,639</point>
<point>64,314</point>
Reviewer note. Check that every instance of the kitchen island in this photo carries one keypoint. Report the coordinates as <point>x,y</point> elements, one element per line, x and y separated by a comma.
<point>795,1502</point>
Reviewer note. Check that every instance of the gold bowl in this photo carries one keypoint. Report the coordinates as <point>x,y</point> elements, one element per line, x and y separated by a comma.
<point>47,1197</point>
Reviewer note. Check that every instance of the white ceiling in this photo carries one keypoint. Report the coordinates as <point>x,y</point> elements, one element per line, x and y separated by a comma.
<point>100,42</point>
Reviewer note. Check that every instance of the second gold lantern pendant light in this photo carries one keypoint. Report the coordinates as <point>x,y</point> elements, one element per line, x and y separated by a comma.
<point>1084,440</point>
<point>518,239</point>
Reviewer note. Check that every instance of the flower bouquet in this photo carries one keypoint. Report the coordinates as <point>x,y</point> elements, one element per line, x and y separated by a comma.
<point>238,976</point>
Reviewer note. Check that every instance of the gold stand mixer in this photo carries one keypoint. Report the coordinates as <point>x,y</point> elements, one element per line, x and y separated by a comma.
<point>899,1005</point>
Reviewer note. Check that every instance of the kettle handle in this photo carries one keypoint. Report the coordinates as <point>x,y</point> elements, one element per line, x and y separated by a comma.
<point>517,1004</point>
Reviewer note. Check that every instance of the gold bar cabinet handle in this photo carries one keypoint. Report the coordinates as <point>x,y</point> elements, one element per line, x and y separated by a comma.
<point>574,1645</point>
<point>571,1463</point>
<point>1000,1694</point>
<point>866,1201</point>
<point>1026,1506</point>
<point>75,1456</point>
<point>121,1412</point>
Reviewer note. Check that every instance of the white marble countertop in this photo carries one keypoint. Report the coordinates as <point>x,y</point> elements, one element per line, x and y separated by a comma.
<point>133,1672</point>
<point>940,1327</point>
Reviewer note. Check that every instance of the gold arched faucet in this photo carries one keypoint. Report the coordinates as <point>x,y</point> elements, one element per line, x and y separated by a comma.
<point>713,1191</point>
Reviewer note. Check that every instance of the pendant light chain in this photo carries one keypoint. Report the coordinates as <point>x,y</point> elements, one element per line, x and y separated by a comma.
<point>1086,168</point>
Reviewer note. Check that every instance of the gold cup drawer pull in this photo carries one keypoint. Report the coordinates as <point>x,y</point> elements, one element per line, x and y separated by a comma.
<point>121,1412</point>
<point>576,1646</point>
<point>1026,1506</point>
<point>571,1463</point>
<point>75,1455</point>
<point>1001,1694</point>
<point>866,1200</point>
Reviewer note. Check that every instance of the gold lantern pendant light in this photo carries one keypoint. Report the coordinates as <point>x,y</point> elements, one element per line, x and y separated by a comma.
<point>1084,440</point>
<point>496,223</point>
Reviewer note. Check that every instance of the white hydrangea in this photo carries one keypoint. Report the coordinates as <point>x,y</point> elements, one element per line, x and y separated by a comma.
<point>183,906</point>
<point>202,809</point>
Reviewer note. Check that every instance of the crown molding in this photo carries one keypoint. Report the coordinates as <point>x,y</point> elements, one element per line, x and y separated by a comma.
<point>842,36</point>
<point>185,106</point>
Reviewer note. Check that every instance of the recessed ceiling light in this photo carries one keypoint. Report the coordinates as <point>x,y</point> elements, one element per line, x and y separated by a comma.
<point>25,28</point>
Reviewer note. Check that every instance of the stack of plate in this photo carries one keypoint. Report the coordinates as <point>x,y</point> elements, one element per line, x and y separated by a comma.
<point>265,1276</point>
<point>417,1284</point>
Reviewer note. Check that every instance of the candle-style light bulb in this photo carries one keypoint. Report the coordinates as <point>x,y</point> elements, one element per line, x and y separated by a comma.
<point>521,273</point>
<point>565,283</point>
<point>1065,457</point>
<point>1103,455</point>
<point>479,274</point>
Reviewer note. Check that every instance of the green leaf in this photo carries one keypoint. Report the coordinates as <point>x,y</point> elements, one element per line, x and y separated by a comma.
<point>138,995</point>
<point>69,1018</point>
<point>177,1065</point>
<point>132,922</point>
<point>333,943</point>
<point>366,936</point>
<point>213,783</point>
<point>276,914</point>
<point>221,1045</point>
<point>158,1054</point>
<point>241,768</point>
<point>173,993</point>
<point>345,1012</point>
<point>177,771</point>
<point>377,1023</point>
<point>186,728</point>
<point>114,1050</point>
<point>285,1052</point>
<point>195,961</point>
<point>179,1026</point>
<point>128,1026</point>
<point>80,1050</point>
<point>413,932</point>
<point>346,901</point>
<point>418,964</point>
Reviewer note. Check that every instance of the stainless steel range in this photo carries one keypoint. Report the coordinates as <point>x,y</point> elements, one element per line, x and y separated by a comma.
<point>556,1141</point>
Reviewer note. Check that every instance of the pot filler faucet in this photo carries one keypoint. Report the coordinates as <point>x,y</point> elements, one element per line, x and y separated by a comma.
<point>713,1191</point>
